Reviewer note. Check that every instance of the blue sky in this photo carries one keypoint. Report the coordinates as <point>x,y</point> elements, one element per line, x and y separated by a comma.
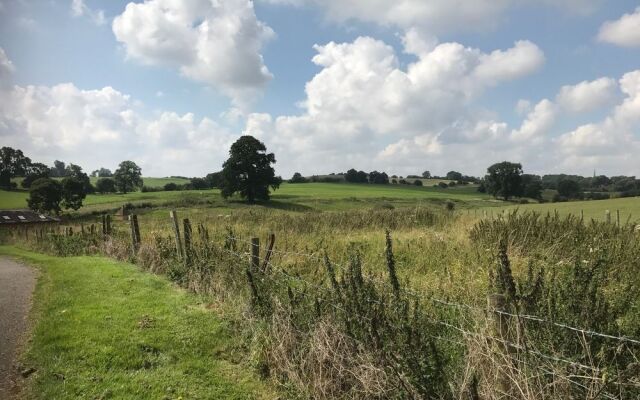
<point>407,85</point>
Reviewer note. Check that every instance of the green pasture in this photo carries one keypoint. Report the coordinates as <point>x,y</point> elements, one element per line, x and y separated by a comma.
<point>105,330</point>
<point>289,196</point>
<point>629,208</point>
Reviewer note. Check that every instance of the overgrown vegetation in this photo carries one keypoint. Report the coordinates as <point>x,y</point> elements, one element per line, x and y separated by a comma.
<point>340,311</point>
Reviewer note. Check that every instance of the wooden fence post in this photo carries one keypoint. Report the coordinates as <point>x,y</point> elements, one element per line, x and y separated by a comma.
<point>136,228</point>
<point>104,224</point>
<point>134,239</point>
<point>607,216</point>
<point>581,215</point>
<point>267,256</point>
<point>255,254</point>
<point>108,219</point>
<point>176,232</point>
<point>187,240</point>
<point>618,218</point>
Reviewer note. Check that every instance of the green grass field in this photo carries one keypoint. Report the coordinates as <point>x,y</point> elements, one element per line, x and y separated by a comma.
<point>343,196</point>
<point>308,195</point>
<point>629,208</point>
<point>106,330</point>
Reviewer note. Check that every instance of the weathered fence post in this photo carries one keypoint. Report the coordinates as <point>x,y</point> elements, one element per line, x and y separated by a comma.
<point>607,216</point>
<point>255,254</point>
<point>267,256</point>
<point>136,228</point>
<point>176,232</point>
<point>108,220</point>
<point>104,224</point>
<point>618,218</point>
<point>581,215</point>
<point>187,240</point>
<point>498,307</point>
<point>133,219</point>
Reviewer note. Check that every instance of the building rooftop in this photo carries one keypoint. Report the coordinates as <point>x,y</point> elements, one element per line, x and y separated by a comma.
<point>12,217</point>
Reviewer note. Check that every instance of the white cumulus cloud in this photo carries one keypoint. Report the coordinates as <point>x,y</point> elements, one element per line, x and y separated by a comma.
<point>6,68</point>
<point>538,122</point>
<point>102,127</point>
<point>613,142</point>
<point>217,42</point>
<point>363,109</point>
<point>79,8</point>
<point>587,95</point>
<point>623,32</point>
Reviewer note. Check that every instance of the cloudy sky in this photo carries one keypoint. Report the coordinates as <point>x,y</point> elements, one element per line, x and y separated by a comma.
<point>394,85</point>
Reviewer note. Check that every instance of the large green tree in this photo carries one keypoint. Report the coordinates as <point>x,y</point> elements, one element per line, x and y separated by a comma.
<point>128,177</point>
<point>34,172</point>
<point>105,185</point>
<point>45,195</point>
<point>75,171</point>
<point>12,163</point>
<point>504,180</point>
<point>59,169</point>
<point>73,192</point>
<point>532,186</point>
<point>569,188</point>
<point>248,170</point>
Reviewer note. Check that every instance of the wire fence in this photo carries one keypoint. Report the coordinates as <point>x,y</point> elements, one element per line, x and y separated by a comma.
<point>461,305</point>
<point>245,257</point>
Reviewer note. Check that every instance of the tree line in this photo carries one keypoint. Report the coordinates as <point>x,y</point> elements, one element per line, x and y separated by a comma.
<point>248,172</point>
<point>47,194</point>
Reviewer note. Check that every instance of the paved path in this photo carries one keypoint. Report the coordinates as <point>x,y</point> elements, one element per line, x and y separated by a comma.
<point>16,286</point>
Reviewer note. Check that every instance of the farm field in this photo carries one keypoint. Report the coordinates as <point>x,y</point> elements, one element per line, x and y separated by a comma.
<point>107,330</point>
<point>629,208</point>
<point>302,310</point>
<point>306,196</point>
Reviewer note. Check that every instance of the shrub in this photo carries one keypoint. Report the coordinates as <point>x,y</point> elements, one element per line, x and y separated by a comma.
<point>442,185</point>
<point>170,187</point>
<point>417,182</point>
<point>105,185</point>
<point>449,205</point>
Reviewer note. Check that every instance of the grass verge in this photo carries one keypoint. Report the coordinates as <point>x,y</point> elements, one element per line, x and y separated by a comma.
<point>105,330</point>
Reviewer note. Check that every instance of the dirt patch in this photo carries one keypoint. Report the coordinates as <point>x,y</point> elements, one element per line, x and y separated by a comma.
<point>17,282</point>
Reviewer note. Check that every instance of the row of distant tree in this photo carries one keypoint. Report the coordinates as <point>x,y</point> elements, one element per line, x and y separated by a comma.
<point>248,172</point>
<point>47,194</point>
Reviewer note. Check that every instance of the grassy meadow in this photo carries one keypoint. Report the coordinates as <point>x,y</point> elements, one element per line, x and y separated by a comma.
<point>629,209</point>
<point>294,196</point>
<point>343,311</point>
<point>105,330</point>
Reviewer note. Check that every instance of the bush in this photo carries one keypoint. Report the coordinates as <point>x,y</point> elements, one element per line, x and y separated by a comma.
<point>150,189</point>
<point>199,184</point>
<point>417,182</point>
<point>298,178</point>
<point>442,185</point>
<point>170,187</point>
<point>449,205</point>
<point>105,185</point>
<point>557,198</point>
